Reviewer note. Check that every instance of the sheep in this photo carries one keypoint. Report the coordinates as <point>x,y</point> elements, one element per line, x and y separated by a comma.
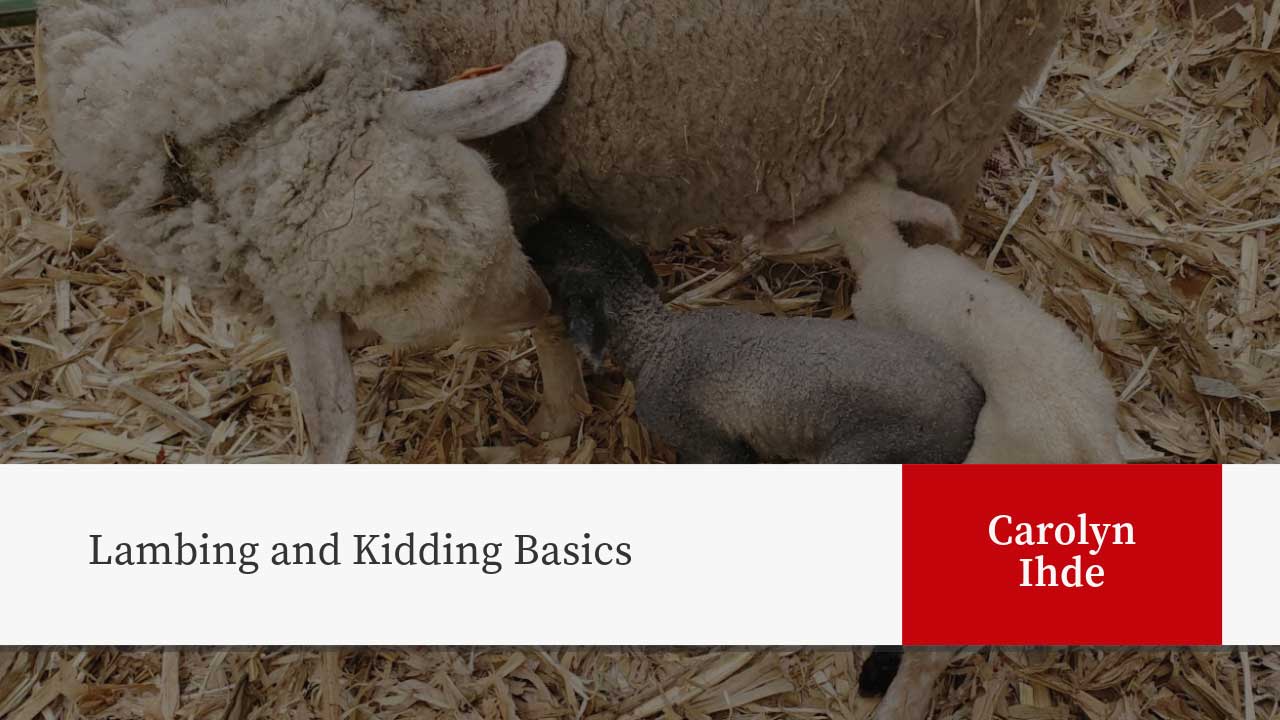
<point>271,152</point>
<point>745,115</point>
<point>1047,400</point>
<point>725,386</point>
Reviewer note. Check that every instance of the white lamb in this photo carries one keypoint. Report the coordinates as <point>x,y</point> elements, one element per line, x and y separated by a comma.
<point>1047,400</point>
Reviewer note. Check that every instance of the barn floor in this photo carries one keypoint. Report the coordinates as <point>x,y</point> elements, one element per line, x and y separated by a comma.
<point>588,684</point>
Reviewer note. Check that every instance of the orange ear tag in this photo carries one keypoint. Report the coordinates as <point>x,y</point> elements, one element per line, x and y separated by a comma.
<point>473,73</point>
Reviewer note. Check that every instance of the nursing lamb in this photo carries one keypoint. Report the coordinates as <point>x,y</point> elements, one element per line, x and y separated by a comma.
<point>728,386</point>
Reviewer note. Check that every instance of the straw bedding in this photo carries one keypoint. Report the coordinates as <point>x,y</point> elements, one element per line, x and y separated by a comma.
<point>584,684</point>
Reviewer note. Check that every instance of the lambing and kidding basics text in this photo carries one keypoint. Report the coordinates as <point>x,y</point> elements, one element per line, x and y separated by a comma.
<point>434,549</point>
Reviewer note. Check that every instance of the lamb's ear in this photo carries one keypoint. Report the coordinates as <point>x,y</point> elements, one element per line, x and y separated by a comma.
<point>488,104</point>
<point>322,375</point>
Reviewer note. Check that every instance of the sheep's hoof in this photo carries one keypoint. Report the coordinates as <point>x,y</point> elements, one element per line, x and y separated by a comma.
<point>550,422</point>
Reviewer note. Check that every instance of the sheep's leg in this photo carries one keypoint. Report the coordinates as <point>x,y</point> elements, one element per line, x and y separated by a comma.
<point>864,220</point>
<point>911,691</point>
<point>908,208</point>
<point>879,671</point>
<point>563,391</point>
<point>947,170</point>
<point>322,376</point>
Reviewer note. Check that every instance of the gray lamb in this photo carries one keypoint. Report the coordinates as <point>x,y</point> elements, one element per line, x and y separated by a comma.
<point>725,386</point>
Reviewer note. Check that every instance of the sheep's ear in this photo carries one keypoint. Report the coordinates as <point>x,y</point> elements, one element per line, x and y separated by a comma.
<point>488,104</point>
<point>322,376</point>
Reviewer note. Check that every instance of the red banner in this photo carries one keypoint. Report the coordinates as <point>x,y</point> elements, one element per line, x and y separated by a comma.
<point>1062,555</point>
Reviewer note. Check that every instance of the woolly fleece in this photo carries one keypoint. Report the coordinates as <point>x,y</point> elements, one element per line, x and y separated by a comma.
<point>242,144</point>
<point>747,113</point>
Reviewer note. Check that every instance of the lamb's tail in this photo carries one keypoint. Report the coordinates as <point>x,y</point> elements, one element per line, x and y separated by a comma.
<point>884,200</point>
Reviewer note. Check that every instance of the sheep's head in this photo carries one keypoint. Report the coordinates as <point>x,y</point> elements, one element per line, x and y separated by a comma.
<point>273,149</point>
<point>583,266</point>
<point>273,152</point>
<point>467,202</point>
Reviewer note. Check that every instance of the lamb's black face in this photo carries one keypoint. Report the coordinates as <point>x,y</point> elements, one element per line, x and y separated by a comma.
<point>570,242</point>
<point>587,326</point>
<point>577,297</point>
<point>581,264</point>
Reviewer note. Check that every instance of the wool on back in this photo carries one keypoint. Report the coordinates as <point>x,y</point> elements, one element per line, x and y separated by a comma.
<point>744,114</point>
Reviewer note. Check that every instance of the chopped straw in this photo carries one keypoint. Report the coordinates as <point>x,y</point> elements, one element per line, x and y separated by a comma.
<point>598,684</point>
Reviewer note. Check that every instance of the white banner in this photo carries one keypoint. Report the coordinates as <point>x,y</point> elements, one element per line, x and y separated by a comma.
<point>450,555</point>
<point>1250,555</point>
